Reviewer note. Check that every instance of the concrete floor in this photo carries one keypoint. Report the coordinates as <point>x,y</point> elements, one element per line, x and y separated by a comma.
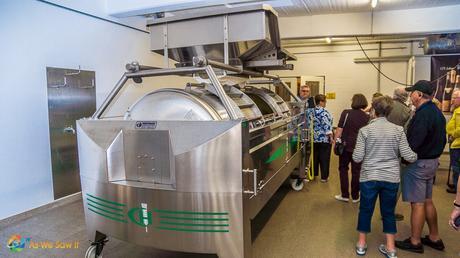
<point>309,223</point>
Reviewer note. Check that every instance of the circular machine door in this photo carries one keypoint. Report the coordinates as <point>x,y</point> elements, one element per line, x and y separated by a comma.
<point>265,100</point>
<point>171,104</point>
<point>245,106</point>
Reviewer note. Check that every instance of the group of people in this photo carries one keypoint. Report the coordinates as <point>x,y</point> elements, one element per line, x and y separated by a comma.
<point>392,150</point>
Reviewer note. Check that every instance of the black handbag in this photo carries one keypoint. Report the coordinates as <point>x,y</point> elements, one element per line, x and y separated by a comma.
<point>340,145</point>
<point>339,148</point>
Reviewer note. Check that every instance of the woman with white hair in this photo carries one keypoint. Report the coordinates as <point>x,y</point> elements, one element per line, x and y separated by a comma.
<point>401,112</point>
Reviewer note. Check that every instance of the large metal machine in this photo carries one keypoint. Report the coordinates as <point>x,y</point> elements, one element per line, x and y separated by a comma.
<point>184,158</point>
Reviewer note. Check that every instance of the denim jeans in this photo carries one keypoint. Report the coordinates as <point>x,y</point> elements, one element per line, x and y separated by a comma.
<point>455,165</point>
<point>387,193</point>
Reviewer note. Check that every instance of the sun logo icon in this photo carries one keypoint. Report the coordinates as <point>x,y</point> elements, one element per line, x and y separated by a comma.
<point>16,243</point>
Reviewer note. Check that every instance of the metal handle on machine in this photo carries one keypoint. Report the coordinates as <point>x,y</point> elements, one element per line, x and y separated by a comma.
<point>221,93</point>
<point>254,181</point>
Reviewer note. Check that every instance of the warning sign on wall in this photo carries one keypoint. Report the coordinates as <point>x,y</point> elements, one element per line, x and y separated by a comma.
<point>330,95</point>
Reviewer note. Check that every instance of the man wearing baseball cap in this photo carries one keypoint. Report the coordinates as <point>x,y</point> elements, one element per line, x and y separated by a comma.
<point>426,135</point>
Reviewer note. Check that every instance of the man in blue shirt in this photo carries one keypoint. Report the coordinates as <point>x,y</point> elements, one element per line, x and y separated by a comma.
<point>426,135</point>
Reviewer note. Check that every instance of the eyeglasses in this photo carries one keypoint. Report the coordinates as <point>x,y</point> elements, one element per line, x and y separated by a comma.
<point>305,91</point>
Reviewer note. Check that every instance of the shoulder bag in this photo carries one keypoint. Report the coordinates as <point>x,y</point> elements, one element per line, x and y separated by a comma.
<point>339,146</point>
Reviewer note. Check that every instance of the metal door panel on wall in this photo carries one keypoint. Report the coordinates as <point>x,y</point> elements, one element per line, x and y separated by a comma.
<point>71,96</point>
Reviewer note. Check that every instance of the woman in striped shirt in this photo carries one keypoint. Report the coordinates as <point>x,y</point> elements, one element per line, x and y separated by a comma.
<point>379,146</point>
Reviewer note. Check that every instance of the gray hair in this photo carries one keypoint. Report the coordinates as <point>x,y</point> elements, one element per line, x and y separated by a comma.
<point>382,106</point>
<point>400,94</point>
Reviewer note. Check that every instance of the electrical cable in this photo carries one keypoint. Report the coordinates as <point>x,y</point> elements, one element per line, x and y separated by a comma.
<point>310,174</point>
<point>404,84</point>
<point>384,75</point>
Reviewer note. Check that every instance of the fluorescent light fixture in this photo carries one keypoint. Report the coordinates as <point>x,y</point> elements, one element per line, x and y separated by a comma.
<point>328,40</point>
<point>374,3</point>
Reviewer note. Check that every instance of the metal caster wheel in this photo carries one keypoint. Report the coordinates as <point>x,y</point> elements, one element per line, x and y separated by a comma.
<point>296,184</point>
<point>95,249</point>
<point>91,252</point>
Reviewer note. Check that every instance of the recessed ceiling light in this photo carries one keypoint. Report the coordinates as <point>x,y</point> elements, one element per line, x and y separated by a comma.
<point>374,3</point>
<point>328,40</point>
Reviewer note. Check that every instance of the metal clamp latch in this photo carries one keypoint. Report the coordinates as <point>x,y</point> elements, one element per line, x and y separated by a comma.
<point>254,176</point>
<point>69,130</point>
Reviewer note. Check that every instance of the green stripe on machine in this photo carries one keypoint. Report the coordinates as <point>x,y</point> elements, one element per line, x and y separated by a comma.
<point>193,230</point>
<point>193,224</point>
<point>106,201</point>
<point>191,212</point>
<point>103,205</point>
<point>188,218</point>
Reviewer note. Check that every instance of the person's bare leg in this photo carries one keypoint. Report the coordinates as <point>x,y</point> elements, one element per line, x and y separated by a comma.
<point>432,219</point>
<point>362,239</point>
<point>417,222</point>
<point>390,242</point>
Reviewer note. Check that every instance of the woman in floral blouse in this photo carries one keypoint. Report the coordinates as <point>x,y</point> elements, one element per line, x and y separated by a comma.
<point>322,136</point>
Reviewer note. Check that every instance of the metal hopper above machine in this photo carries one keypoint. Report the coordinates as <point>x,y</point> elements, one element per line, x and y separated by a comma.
<point>246,36</point>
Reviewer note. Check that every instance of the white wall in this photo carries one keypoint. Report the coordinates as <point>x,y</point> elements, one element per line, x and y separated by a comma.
<point>34,35</point>
<point>345,78</point>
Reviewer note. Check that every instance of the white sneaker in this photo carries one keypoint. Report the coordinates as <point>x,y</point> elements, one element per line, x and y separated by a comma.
<point>355,201</point>
<point>340,198</point>
<point>389,254</point>
<point>361,250</point>
<point>323,180</point>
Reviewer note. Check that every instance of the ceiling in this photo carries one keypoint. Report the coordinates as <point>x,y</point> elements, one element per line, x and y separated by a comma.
<point>314,7</point>
<point>123,8</point>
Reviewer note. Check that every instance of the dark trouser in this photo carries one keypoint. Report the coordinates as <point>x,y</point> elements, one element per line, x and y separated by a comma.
<point>387,194</point>
<point>455,165</point>
<point>322,157</point>
<point>344,160</point>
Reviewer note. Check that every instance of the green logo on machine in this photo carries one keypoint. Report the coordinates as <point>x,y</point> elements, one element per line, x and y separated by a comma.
<point>140,216</point>
<point>171,220</point>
